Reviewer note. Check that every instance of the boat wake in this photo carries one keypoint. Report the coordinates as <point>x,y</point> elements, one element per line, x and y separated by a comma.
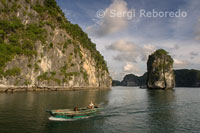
<point>62,119</point>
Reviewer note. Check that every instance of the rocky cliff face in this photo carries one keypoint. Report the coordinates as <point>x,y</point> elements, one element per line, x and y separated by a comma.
<point>40,48</point>
<point>133,80</point>
<point>160,74</point>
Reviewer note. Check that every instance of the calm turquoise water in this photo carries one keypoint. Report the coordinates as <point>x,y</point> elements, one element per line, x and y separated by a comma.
<point>127,109</point>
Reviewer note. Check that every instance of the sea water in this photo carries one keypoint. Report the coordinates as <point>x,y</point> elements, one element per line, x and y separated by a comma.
<point>126,109</point>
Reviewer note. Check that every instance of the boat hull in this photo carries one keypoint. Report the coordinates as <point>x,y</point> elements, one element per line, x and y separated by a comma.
<point>71,114</point>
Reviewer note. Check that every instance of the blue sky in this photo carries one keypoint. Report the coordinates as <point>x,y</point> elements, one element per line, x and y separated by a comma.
<point>126,43</point>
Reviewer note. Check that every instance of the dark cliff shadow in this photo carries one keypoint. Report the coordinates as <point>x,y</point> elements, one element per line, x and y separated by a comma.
<point>161,111</point>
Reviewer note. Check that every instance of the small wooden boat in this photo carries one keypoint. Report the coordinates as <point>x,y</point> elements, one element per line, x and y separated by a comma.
<point>71,114</point>
<point>143,87</point>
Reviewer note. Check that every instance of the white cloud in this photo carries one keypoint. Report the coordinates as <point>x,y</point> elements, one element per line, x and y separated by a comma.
<point>116,75</point>
<point>130,67</point>
<point>180,63</point>
<point>108,25</point>
<point>130,52</point>
<point>127,68</point>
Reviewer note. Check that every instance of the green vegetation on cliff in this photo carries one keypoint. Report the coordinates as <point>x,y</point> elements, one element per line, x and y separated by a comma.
<point>19,38</point>
<point>162,54</point>
<point>73,29</point>
<point>80,36</point>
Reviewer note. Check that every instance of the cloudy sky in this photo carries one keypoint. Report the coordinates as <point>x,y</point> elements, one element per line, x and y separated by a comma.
<point>125,37</point>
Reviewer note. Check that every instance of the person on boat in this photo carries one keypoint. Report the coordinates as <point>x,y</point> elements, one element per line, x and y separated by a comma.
<point>76,109</point>
<point>91,105</point>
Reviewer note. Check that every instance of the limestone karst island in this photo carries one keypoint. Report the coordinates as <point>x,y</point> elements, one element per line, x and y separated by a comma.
<point>160,73</point>
<point>107,66</point>
<point>41,49</point>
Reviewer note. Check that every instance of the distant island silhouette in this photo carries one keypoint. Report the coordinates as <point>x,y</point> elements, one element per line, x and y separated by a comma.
<point>183,78</point>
